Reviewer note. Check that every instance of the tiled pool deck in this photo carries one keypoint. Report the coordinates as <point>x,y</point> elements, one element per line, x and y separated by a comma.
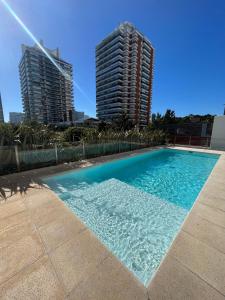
<point>47,253</point>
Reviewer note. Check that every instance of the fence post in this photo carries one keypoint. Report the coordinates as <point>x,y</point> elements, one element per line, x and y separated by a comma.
<point>190,140</point>
<point>103,147</point>
<point>83,150</point>
<point>17,158</point>
<point>56,154</point>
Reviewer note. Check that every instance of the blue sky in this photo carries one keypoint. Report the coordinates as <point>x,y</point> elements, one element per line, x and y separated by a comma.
<point>188,37</point>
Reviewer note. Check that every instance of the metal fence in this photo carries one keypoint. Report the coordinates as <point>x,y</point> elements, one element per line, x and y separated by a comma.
<point>16,159</point>
<point>190,140</point>
<point>198,141</point>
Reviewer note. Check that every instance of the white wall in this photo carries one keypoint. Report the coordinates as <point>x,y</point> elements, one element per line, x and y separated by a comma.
<point>218,133</point>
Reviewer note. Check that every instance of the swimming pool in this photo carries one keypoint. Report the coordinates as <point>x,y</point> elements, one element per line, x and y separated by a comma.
<point>136,205</point>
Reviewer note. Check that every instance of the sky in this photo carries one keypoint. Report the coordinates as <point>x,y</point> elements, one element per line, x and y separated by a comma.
<point>188,37</point>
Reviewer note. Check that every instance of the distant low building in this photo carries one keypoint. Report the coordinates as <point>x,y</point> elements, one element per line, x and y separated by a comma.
<point>16,117</point>
<point>92,122</point>
<point>1,111</point>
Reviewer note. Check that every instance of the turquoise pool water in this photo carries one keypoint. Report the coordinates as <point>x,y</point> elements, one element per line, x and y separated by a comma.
<point>136,205</point>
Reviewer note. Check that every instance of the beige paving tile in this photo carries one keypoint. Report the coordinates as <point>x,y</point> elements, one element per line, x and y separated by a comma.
<point>78,258</point>
<point>208,263</point>
<point>42,201</point>
<point>47,213</point>
<point>7,196</point>
<point>60,230</point>
<point>215,188</point>
<point>14,220</point>
<point>207,232</point>
<point>12,208</point>
<point>218,173</point>
<point>19,254</point>
<point>211,214</point>
<point>211,194</point>
<point>110,281</point>
<point>33,189</point>
<point>217,177</point>
<point>40,198</point>
<point>38,281</point>
<point>214,201</point>
<point>13,234</point>
<point>175,282</point>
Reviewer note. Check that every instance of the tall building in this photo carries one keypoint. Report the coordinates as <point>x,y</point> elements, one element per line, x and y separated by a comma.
<point>16,117</point>
<point>1,111</point>
<point>124,73</point>
<point>47,94</point>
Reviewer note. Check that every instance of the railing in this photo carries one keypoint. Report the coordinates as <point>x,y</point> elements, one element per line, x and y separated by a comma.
<point>15,159</point>
<point>190,140</point>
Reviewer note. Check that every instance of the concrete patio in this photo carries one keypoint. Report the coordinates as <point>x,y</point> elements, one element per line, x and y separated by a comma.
<point>47,253</point>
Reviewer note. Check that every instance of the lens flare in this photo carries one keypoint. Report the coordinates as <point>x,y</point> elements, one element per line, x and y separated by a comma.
<point>30,34</point>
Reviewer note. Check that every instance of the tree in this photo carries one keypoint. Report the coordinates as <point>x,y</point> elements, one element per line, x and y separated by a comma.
<point>169,117</point>
<point>102,126</point>
<point>73,134</point>
<point>122,123</point>
<point>24,134</point>
<point>157,121</point>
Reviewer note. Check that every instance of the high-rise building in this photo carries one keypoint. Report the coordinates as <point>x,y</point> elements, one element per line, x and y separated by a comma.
<point>1,111</point>
<point>47,94</point>
<point>124,73</point>
<point>16,117</point>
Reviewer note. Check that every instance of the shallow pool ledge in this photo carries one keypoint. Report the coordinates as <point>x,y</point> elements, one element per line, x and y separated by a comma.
<point>47,251</point>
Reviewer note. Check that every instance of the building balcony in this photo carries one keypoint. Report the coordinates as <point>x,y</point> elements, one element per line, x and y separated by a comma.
<point>107,45</point>
<point>102,65</point>
<point>117,67</point>
<point>113,83</point>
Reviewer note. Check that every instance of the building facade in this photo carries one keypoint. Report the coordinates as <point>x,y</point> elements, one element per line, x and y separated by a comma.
<point>1,111</point>
<point>47,94</point>
<point>124,74</point>
<point>16,117</point>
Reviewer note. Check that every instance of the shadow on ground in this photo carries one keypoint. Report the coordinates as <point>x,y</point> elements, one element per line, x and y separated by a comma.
<point>18,184</point>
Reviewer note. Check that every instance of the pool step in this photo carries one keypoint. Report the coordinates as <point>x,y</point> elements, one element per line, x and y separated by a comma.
<point>136,226</point>
<point>114,189</point>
